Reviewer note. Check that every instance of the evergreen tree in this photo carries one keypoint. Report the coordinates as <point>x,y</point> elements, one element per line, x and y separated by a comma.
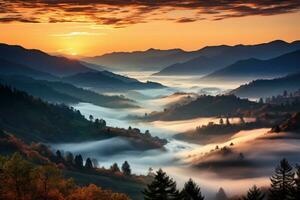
<point>59,157</point>
<point>282,181</point>
<point>296,191</point>
<point>191,191</point>
<point>126,169</point>
<point>69,158</point>
<point>254,193</point>
<point>78,161</point>
<point>88,164</point>
<point>91,118</point>
<point>221,195</point>
<point>161,188</point>
<point>227,121</point>
<point>261,100</point>
<point>95,163</point>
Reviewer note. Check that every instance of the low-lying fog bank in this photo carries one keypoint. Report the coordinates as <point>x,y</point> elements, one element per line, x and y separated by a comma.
<point>211,168</point>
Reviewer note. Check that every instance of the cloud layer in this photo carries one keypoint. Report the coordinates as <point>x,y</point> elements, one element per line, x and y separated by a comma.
<point>125,12</point>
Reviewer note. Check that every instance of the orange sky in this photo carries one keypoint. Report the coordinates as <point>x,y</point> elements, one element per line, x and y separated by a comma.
<point>86,39</point>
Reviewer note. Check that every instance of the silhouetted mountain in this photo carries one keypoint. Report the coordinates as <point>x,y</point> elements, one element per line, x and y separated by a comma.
<point>222,56</point>
<point>254,68</point>
<point>59,92</point>
<point>205,106</point>
<point>11,68</point>
<point>267,88</point>
<point>41,61</point>
<point>108,81</point>
<point>149,60</point>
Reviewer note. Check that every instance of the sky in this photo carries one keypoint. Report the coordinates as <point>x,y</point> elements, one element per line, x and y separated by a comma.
<point>94,27</point>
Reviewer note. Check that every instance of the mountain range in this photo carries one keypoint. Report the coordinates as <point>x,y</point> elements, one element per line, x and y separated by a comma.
<point>252,68</point>
<point>41,61</point>
<point>16,60</point>
<point>214,58</point>
<point>149,60</point>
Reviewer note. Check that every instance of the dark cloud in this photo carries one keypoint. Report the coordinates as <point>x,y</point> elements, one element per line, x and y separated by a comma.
<point>125,12</point>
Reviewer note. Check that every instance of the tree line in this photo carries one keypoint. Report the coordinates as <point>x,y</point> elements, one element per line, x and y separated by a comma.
<point>22,180</point>
<point>285,185</point>
<point>91,164</point>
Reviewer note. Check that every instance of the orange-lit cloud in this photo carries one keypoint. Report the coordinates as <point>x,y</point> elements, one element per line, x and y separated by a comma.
<point>121,13</point>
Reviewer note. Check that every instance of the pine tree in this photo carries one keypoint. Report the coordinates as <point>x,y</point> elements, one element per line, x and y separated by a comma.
<point>227,121</point>
<point>126,169</point>
<point>221,195</point>
<point>88,164</point>
<point>282,181</point>
<point>191,191</point>
<point>296,191</point>
<point>78,161</point>
<point>161,188</point>
<point>69,158</point>
<point>254,193</point>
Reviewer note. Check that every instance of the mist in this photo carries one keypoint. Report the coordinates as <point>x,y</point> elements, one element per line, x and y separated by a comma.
<point>183,160</point>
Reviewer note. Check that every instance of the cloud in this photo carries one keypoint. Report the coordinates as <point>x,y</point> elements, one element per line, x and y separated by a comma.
<point>71,34</point>
<point>123,12</point>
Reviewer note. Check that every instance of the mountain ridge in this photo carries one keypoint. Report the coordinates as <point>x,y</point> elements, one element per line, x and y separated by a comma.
<point>205,64</point>
<point>257,68</point>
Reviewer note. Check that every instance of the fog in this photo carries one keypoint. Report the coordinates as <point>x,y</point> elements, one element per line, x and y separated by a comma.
<point>179,157</point>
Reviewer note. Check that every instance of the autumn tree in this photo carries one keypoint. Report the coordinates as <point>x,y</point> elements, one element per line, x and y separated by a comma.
<point>161,188</point>
<point>92,192</point>
<point>254,193</point>
<point>17,178</point>
<point>126,169</point>
<point>191,191</point>
<point>282,181</point>
<point>48,180</point>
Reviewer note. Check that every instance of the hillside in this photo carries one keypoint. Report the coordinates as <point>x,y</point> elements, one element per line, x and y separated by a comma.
<point>41,61</point>
<point>291,124</point>
<point>267,88</point>
<point>41,155</point>
<point>108,81</point>
<point>31,119</point>
<point>205,106</point>
<point>59,92</point>
<point>149,60</point>
<point>226,55</point>
<point>254,68</point>
<point>11,68</point>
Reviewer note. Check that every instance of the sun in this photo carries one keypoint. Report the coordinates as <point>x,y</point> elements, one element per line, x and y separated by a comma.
<point>73,54</point>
